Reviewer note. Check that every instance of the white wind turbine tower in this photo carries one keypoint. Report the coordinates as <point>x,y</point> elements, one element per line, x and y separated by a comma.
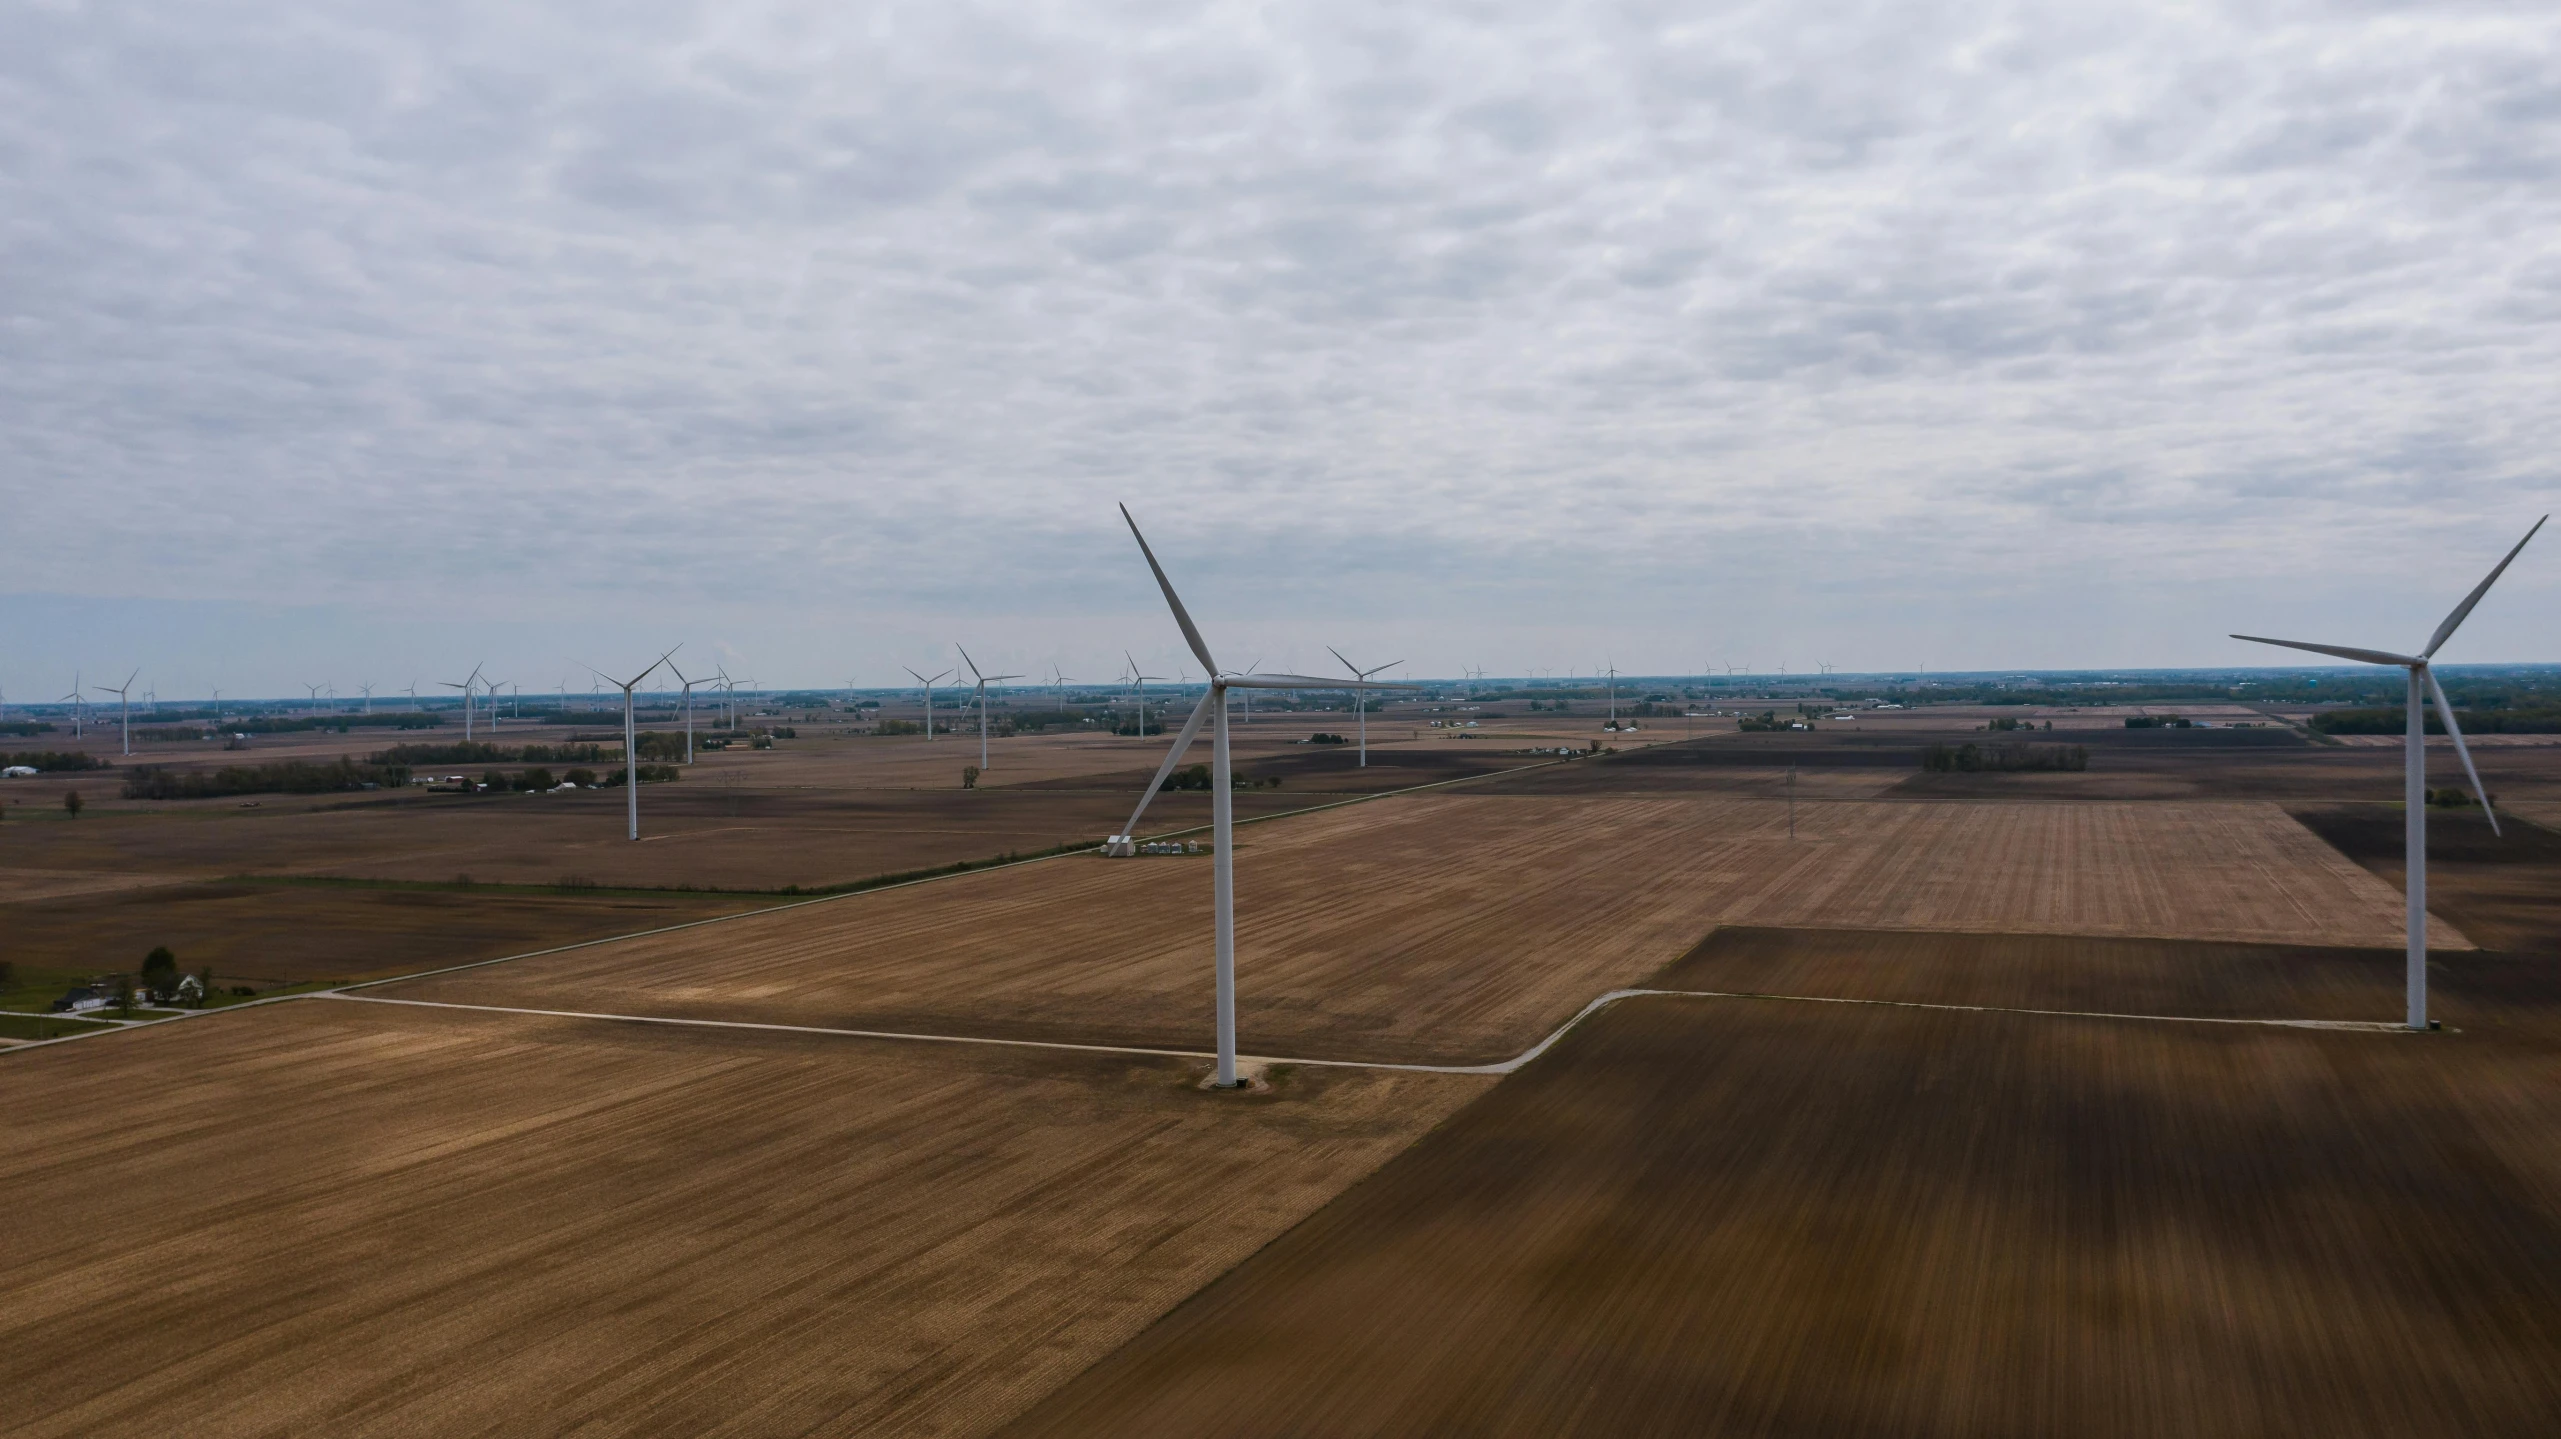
<point>368,693</point>
<point>929,699</point>
<point>124,706</point>
<point>2423,687</point>
<point>79,704</point>
<point>1213,704</point>
<point>1139,681</point>
<point>1361,702</point>
<point>490,689</point>
<point>689,705</point>
<point>1248,696</point>
<point>983,682</point>
<point>630,736</point>
<point>466,684</point>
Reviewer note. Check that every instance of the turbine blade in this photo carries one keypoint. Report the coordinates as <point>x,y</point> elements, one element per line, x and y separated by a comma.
<point>965,659</point>
<point>2446,631</point>
<point>1347,664</point>
<point>2345,652</point>
<point>1182,617</point>
<point>2462,751</point>
<point>1173,757</point>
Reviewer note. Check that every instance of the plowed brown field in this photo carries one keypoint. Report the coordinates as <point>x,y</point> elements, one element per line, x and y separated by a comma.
<point>344,1219</point>
<point>1762,1218</point>
<point>1446,928</point>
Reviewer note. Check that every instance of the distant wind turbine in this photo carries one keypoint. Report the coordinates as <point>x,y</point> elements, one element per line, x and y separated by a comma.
<point>984,680</point>
<point>689,705</point>
<point>1361,702</point>
<point>2423,687</point>
<point>1213,704</point>
<point>466,684</point>
<point>79,704</point>
<point>631,736</point>
<point>929,697</point>
<point>1139,681</point>
<point>124,706</point>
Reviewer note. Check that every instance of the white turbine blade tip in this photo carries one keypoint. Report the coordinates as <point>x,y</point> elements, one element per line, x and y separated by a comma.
<point>2446,631</point>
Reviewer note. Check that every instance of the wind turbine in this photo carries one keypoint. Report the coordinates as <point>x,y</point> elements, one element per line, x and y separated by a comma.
<point>983,682</point>
<point>929,700</point>
<point>2423,686</point>
<point>1248,697</point>
<point>1361,702</point>
<point>124,705</point>
<point>1139,681</point>
<point>465,684</point>
<point>490,688</point>
<point>1612,672</point>
<point>630,739</point>
<point>368,690</point>
<point>689,705</point>
<point>1213,701</point>
<point>79,704</point>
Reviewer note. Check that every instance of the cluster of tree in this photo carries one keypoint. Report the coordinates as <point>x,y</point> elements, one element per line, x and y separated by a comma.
<point>649,774</point>
<point>1036,720</point>
<point>1321,737</point>
<point>163,983</point>
<point>898,726</point>
<point>25,727</point>
<point>55,761</point>
<point>1974,759</point>
<point>283,777</point>
<point>2393,721</point>
<point>1765,720</point>
<point>2006,723</point>
<point>1196,776</point>
<point>537,778</point>
<point>2159,722</point>
<point>481,752</point>
<point>289,724</point>
<point>2452,798</point>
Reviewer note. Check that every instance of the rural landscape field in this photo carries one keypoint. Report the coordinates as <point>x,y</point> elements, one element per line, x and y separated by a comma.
<point>1674,1078</point>
<point>1469,718</point>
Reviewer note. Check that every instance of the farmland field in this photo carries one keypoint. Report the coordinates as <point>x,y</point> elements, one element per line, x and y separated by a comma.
<point>350,1219</point>
<point>268,934</point>
<point>1453,928</point>
<point>1815,1212</point>
<point>1768,1218</point>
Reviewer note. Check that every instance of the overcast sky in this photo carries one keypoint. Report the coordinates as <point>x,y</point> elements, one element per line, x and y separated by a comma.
<point>347,342</point>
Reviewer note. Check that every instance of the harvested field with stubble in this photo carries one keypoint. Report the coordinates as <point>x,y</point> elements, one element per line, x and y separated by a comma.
<point>292,934</point>
<point>1769,1218</point>
<point>2198,979</point>
<point>702,835</point>
<point>324,1217</point>
<point>1451,928</point>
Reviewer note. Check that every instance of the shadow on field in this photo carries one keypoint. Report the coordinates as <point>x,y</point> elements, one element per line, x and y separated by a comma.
<point>1733,1217</point>
<point>2502,890</point>
<point>2188,978</point>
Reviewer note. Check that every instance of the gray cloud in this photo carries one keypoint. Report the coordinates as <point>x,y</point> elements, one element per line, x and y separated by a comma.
<point>1863,328</point>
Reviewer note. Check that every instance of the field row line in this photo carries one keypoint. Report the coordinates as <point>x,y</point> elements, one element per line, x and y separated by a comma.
<point>1497,1068</point>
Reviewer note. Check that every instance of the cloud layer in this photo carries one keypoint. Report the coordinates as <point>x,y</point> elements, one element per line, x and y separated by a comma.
<point>2008,335</point>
